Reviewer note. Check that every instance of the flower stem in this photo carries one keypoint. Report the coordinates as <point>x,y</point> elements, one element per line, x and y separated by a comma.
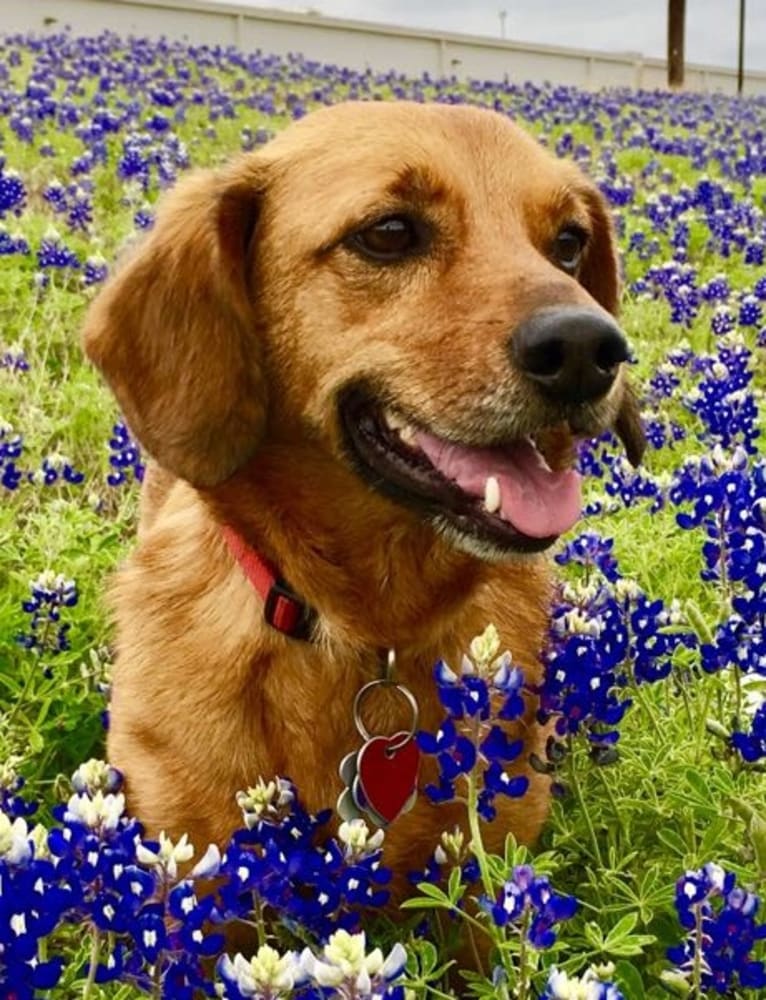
<point>475,951</point>
<point>613,803</point>
<point>260,923</point>
<point>577,788</point>
<point>95,948</point>
<point>477,843</point>
<point>523,983</point>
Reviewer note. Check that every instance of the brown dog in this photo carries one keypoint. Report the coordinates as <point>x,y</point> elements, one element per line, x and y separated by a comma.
<point>368,350</point>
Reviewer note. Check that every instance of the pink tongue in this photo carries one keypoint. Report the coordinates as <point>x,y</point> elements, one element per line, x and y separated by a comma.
<point>535,500</point>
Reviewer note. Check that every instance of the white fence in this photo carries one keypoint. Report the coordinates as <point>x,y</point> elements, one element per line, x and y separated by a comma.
<point>359,44</point>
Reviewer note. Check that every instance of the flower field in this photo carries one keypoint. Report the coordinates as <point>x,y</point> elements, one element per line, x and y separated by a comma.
<point>650,876</point>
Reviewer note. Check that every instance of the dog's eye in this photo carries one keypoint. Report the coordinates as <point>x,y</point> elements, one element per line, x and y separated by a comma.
<point>568,247</point>
<point>389,239</point>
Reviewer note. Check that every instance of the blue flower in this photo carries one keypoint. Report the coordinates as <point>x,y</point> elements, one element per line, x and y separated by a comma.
<point>13,195</point>
<point>48,634</point>
<point>124,457</point>
<point>593,985</point>
<point>527,900</point>
<point>470,740</point>
<point>725,914</point>
<point>752,745</point>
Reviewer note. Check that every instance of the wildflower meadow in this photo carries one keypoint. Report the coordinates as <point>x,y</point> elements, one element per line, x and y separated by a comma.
<point>650,877</point>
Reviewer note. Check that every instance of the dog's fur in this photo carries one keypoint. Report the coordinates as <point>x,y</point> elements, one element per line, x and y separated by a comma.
<point>226,340</point>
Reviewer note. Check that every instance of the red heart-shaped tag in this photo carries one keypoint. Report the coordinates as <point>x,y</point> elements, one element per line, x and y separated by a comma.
<point>388,773</point>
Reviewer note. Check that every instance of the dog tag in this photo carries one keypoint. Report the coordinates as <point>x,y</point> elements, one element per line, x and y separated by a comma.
<point>346,806</point>
<point>380,779</point>
<point>387,776</point>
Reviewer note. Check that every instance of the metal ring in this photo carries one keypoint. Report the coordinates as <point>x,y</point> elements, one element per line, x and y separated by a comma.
<point>405,692</point>
<point>390,664</point>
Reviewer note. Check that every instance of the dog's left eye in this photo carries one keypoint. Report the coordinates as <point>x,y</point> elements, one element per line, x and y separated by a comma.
<point>389,239</point>
<point>568,247</point>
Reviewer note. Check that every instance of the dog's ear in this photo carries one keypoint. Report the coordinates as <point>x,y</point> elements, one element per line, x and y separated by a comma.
<point>174,331</point>
<point>600,275</point>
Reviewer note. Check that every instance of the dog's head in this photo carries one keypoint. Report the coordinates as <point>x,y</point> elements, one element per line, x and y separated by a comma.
<point>422,291</point>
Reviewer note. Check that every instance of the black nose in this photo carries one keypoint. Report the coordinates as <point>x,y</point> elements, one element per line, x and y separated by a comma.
<point>571,353</point>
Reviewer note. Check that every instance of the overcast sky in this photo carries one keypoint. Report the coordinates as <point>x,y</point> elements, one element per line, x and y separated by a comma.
<point>612,25</point>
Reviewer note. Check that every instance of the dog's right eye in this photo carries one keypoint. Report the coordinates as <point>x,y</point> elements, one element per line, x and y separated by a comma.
<point>389,239</point>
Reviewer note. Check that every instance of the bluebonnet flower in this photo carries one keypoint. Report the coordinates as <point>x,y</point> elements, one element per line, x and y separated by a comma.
<point>527,901</point>
<point>56,467</point>
<point>13,804</point>
<point>605,634</point>
<point>95,270</point>
<point>278,860</point>
<point>80,211</point>
<point>14,359</point>
<point>266,976</point>
<point>676,281</point>
<point>630,485</point>
<point>124,457</point>
<point>11,243</point>
<point>723,398</point>
<point>728,498</point>
<point>451,851</point>
<point>143,219</point>
<point>11,447</point>
<point>755,251</point>
<point>13,195</point>
<point>345,967</point>
<point>56,195</point>
<point>48,634</point>
<point>488,691</point>
<point>750,311</point>
<point>134,164</point>
<point>717,289</point>
<point>52,253</point>
<point>664,382</point>
<point>722,321</point>
<point>29,910</point>
<point>752,745</point>
<point>591,550</point>
<point>721,920</point>
<point>594,984</point>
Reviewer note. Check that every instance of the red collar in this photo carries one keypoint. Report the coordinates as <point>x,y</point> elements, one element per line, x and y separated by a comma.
<point>282,608</point>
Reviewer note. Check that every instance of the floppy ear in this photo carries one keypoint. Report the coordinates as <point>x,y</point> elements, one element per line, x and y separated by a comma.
<point>600,275</point>
<point>174,331</point>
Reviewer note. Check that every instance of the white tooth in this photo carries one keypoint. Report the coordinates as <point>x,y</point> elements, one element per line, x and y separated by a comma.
<point>492,495</point>
<point>407,434</point>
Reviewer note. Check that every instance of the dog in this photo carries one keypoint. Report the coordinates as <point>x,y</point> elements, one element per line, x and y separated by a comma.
<point>364,353</point>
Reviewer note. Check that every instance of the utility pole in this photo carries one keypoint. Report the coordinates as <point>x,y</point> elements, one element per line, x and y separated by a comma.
<point>502,14</point>
<point>741,58</point>
<point>676,30</point>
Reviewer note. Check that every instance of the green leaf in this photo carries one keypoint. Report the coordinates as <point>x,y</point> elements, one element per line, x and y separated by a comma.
<point>455,887</point>
<point>757,832</point>
<point>428,956</point>
<point>670,838</point>
<point>433,891</point>
<point>594,936</point>
<point>424,903</point>
<point>628,978</point>
<point>622,928</point>
<point>713,836</point>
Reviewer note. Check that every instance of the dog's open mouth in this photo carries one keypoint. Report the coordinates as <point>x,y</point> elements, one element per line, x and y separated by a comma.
<point>508,497</point>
